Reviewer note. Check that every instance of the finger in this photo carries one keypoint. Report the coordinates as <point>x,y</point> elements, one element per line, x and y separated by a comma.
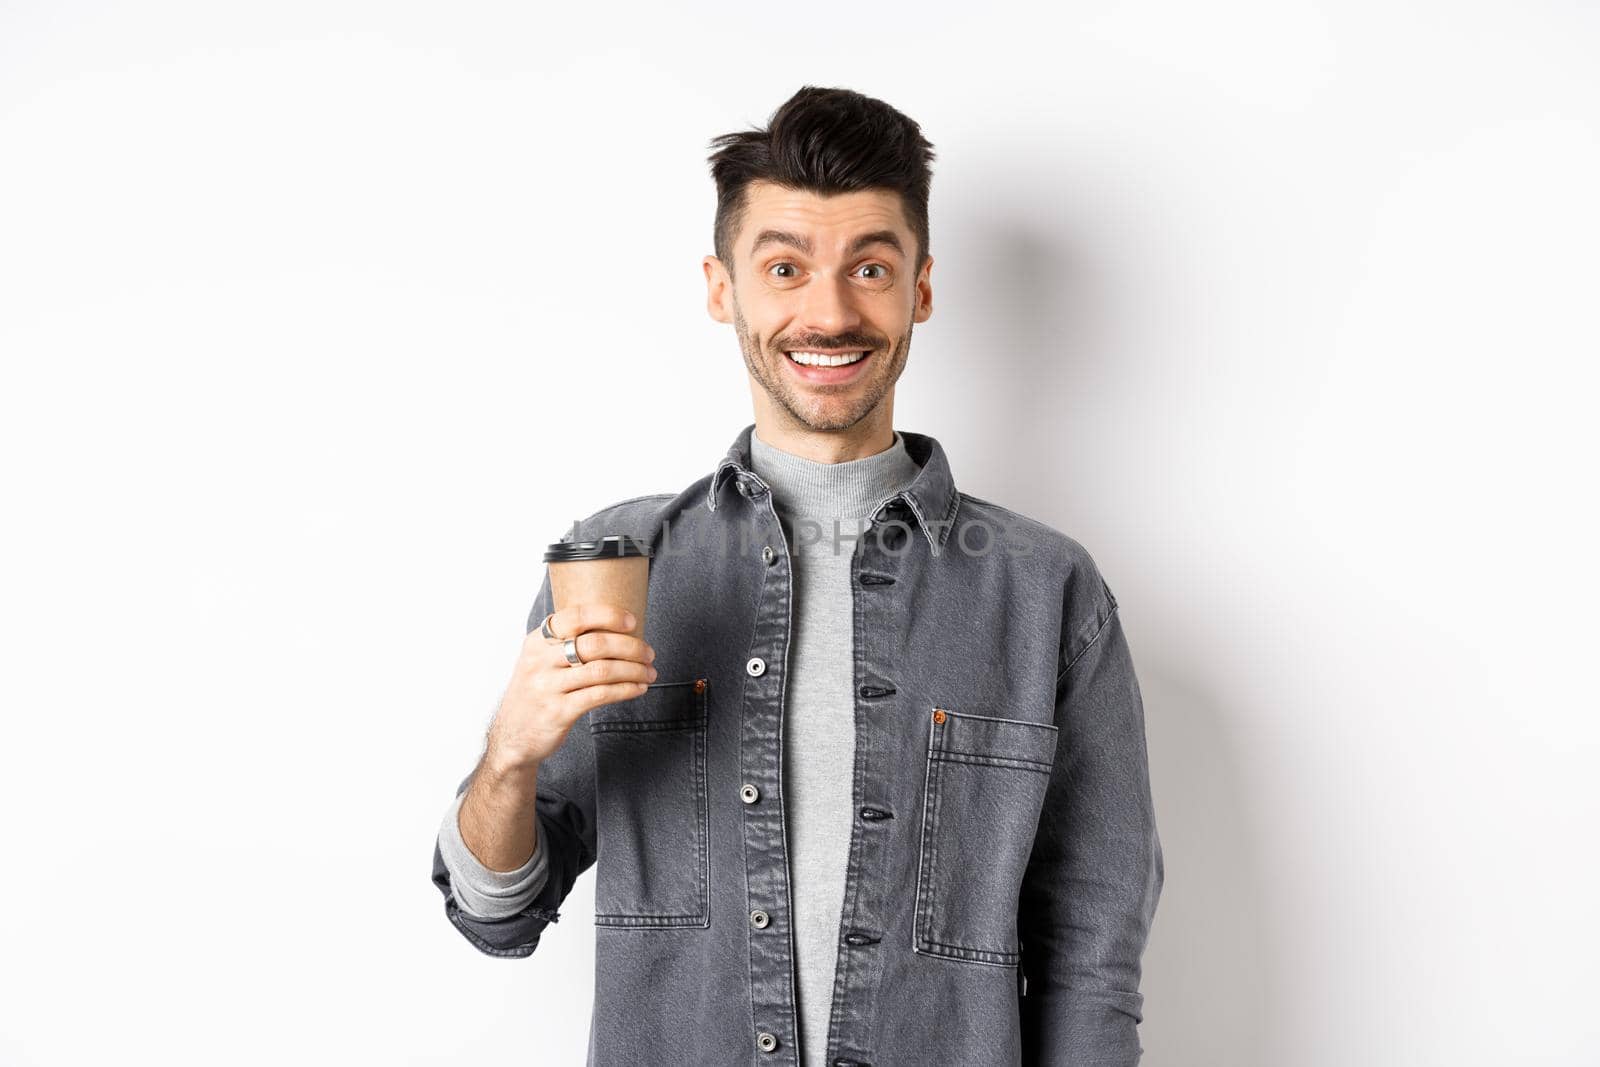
<point>586,700</point>
<point>596,644</point>
<point>576,619</point>
<point>601,672</point>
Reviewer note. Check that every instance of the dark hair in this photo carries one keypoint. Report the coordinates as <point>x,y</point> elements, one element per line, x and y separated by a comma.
<point>825,141</point>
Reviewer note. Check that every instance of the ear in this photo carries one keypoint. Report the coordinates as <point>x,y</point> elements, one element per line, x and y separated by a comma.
<point>924,307</point>
<point>718,287</point>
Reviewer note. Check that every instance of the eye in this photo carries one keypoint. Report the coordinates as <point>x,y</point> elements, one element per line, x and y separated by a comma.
<point>775,266</point>
<point>877,267</point>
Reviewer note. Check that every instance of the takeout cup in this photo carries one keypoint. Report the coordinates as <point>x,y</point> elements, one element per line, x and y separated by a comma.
<point>614,569</point>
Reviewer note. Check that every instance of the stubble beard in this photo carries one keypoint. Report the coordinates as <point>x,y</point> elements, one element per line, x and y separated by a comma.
<point>827,415</point>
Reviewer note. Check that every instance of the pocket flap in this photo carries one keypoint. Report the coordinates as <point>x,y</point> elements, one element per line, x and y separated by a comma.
<point>967,737</point>
<point>662,706</point>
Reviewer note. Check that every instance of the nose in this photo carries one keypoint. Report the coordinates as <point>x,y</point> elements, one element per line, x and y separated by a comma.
<point>830,306</point>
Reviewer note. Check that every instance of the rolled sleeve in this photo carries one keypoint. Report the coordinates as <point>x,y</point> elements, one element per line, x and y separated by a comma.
<point>483,892</point>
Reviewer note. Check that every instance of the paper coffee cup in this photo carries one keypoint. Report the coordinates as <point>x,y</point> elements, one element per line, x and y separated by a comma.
<point>612,570</point>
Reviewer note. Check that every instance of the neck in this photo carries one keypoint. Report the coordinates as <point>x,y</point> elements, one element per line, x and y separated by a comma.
<point>869,437</point>
<point>850,487</point>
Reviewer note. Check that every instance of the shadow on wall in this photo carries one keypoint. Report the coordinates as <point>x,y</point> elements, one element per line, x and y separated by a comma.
<point>1048,351</point>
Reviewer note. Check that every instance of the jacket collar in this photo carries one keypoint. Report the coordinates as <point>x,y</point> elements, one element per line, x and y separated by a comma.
<point>931,497</point>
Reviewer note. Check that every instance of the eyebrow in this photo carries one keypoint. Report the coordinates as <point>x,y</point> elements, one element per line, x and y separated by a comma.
<point>794,240</point>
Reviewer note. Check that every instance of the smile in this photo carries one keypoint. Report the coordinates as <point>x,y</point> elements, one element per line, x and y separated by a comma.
<point>824,359</point>
<point>828,368</point>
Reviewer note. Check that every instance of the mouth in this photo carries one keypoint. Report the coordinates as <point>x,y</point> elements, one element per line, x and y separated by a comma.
<point>825,367</point>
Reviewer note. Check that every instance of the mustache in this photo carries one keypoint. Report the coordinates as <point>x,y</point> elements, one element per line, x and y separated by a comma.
<point>810,343</point>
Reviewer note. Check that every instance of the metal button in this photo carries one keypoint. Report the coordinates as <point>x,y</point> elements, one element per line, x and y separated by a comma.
<point>749,793</point>
<point>756,667</point>
<point>767,555</point>
<point>759,919</point>
<point>766,1042</point>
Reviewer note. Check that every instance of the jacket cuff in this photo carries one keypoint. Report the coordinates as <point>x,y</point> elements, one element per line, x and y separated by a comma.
<point>1091,1028</point>
<point>483,893</point>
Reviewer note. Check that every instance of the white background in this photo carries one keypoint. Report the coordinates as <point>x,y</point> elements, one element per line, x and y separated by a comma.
<point>1285,310</point>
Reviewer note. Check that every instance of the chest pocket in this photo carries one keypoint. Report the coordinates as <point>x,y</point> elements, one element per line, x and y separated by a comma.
<point>985,784</point>
<point>652,826</point>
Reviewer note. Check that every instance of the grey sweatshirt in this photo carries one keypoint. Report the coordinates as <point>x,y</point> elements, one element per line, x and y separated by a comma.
<point>819,723</point>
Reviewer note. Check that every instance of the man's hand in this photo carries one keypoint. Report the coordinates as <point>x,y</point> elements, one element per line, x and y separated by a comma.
<point>547,695</point>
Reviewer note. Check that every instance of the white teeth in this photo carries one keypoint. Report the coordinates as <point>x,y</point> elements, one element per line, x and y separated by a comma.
<point>818,359</point>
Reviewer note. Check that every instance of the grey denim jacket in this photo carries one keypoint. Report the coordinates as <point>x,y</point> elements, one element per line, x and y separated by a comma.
<point>1004,865</point>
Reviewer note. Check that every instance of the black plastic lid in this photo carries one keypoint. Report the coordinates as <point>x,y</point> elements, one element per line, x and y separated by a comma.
<point>614,546</point>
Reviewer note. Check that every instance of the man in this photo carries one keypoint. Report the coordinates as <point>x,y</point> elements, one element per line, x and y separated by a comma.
<point>873,788</point>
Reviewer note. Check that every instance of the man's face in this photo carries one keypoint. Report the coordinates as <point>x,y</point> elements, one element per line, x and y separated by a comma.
<point>822,274</point>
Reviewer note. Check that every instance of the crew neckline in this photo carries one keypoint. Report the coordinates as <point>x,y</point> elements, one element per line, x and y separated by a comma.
<point>853,487</point>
